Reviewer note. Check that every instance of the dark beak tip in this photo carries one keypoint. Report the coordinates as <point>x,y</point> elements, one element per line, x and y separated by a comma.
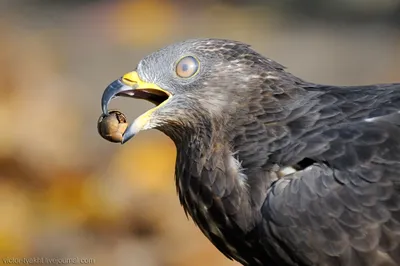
<point>105,110</point>
<point>112,91</point>
<point>109,93</point>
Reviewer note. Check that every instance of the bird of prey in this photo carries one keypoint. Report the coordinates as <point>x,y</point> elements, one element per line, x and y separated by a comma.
<point>238,119</point>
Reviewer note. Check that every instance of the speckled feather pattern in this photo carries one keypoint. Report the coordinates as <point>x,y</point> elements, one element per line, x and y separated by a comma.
<point>343,209</point>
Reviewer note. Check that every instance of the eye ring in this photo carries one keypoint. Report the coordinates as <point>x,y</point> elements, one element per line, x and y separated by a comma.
<point>187,67</point>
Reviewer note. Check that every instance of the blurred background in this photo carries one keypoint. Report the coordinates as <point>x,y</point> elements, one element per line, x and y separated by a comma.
<point>64,191</point>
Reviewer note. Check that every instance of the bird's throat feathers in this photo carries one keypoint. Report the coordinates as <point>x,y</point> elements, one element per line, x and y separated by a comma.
<point>209,179</point>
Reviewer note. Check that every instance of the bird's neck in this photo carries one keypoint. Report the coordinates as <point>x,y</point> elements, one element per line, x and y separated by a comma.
<point>209,182</point>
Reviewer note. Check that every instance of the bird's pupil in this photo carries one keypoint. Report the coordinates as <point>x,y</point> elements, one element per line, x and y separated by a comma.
<point>185,67</point>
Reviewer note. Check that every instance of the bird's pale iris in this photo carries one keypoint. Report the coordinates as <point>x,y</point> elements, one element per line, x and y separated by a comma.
<point>187,67</point>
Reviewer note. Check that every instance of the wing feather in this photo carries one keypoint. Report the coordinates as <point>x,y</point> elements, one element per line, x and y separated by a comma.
<point>345,208</point>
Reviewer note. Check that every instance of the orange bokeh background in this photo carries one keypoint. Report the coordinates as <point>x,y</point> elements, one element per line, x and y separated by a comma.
<point>64,191</point>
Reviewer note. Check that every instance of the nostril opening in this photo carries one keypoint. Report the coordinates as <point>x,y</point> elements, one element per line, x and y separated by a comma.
<point>129,80</point>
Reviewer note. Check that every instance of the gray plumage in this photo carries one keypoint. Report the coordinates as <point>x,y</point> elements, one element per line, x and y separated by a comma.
<point>242,119</point>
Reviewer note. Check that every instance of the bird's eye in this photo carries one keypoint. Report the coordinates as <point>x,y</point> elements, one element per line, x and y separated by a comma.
<point>187,67</point>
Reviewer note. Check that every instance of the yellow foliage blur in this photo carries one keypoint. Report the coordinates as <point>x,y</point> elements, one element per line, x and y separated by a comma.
<point>143,22</point>
<point>148,164</point>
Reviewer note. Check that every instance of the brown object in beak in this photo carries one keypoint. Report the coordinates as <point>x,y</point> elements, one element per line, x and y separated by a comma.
<point>112,126</point>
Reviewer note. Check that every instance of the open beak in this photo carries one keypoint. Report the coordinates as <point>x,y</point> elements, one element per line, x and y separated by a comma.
<point>130,85</point>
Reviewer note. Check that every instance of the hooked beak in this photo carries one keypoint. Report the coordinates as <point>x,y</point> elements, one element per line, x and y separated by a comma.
<point>130,85</point>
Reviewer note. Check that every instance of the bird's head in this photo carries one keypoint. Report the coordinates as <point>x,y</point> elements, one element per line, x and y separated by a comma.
<point>193,83</point>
